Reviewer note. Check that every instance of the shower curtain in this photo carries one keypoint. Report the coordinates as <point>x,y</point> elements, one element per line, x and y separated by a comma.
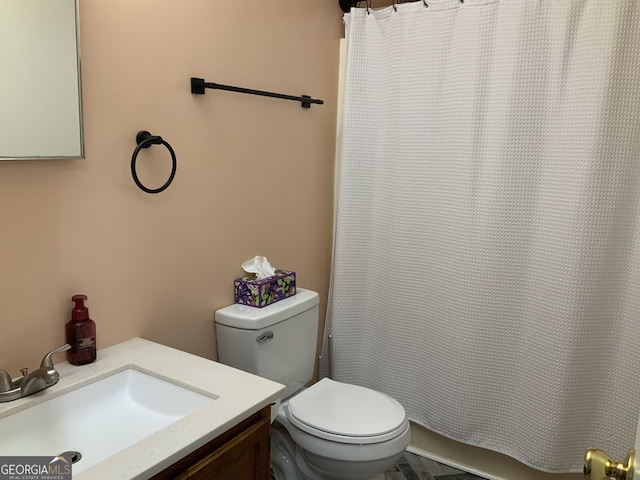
<point>486,268</point>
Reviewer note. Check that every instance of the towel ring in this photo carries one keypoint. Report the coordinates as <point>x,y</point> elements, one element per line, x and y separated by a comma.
<point>144,140</point>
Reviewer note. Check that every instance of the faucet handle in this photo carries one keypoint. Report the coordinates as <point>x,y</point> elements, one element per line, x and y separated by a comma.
<point>47,361</point>
<point>5,381</point>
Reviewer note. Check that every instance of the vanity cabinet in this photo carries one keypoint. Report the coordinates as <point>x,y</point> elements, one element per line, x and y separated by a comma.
<point>241,453</point>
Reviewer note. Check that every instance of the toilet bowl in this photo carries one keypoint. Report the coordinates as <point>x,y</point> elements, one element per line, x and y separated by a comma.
<point>328,431</point>
<point>291,461</point>
<point>343,431</point>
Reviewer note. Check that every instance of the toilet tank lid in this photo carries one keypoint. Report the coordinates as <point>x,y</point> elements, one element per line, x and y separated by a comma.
<point>251,318</point>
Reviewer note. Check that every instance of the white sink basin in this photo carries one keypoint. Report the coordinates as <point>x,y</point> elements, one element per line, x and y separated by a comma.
<point>98,419</point>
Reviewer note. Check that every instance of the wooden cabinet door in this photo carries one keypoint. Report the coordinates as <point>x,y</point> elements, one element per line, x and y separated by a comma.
<point>240,453</point>
<point>245,457</point>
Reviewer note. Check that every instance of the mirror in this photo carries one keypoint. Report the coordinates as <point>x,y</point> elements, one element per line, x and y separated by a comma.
<point>40,88</point>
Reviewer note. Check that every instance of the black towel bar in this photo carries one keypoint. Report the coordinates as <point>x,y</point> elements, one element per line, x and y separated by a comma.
<point>198,86</point>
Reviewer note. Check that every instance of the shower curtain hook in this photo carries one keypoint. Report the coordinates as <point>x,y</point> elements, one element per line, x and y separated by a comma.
<point>368,4</point>
<point>394,6</point>
<point>426,5</point>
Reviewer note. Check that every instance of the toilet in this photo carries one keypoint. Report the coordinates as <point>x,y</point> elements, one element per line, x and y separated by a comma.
<point>330,430</point>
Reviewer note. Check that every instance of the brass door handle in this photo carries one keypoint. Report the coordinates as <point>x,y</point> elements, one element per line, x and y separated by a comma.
<point>599,466</point>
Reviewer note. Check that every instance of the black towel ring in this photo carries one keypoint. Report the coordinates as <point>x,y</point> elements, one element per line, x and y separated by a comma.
<point>144,140</point>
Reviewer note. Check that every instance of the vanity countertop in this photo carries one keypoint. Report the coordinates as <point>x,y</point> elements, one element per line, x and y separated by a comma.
<point>238,395</point>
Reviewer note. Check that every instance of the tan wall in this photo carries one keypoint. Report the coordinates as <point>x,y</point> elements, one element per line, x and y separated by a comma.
<point>255,175</point>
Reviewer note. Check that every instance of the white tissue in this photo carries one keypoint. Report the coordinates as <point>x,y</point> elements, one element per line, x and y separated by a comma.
<point>260,266</point>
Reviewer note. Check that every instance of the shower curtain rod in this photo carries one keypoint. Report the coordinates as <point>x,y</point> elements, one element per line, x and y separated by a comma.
<point>347,5</point>
<point>198,86</point>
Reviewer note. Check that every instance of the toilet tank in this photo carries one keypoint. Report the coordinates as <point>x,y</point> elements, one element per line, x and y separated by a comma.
<point>277,342</point>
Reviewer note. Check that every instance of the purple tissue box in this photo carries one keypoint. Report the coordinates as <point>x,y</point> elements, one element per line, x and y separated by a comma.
<point>260,293</point>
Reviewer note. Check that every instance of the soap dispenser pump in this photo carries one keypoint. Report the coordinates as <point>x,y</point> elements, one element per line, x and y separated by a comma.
<point>81,334</point>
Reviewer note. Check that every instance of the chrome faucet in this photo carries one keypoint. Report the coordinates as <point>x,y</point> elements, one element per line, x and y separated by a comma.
<point>33,382</point>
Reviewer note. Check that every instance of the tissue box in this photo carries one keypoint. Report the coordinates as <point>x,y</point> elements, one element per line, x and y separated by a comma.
<point>260,293</point>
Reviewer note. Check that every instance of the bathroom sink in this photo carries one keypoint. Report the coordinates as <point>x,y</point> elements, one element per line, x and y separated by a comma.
<point>99,419</point>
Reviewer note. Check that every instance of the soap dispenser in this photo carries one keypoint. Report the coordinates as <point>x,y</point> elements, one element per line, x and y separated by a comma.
<point>81,334</point>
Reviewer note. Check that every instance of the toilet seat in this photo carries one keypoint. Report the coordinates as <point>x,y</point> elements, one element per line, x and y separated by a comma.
<point>346,413</point>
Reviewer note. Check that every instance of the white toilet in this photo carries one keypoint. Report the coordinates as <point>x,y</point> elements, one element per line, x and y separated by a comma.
<point>330,430</point>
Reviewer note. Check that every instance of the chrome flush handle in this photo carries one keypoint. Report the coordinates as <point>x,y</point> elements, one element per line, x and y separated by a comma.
<point>265,336</point>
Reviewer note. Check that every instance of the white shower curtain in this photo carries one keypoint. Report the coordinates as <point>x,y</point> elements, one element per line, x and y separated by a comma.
<point>486,267</point>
